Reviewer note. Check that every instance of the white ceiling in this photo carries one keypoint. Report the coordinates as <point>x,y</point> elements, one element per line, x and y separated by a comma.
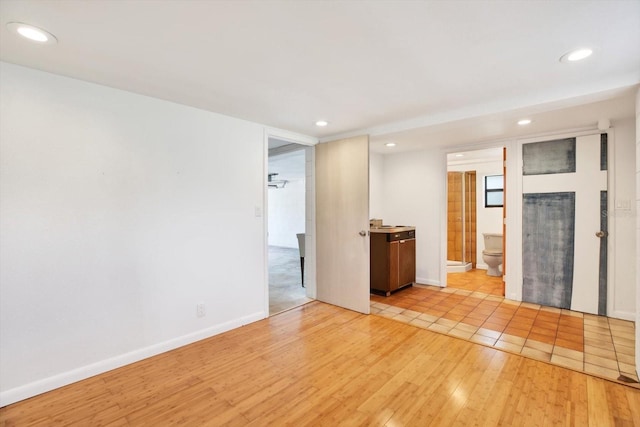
<point>416,71</point>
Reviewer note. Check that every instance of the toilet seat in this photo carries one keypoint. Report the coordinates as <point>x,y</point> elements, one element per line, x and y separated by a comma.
<point>491,252</point>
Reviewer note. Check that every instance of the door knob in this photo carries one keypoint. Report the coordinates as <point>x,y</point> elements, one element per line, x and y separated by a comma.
<point>362,233</point>
<point>601,234</point>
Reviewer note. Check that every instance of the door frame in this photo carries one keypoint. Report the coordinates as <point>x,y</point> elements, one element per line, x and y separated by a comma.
<point>508,223</point>
<point>515,264</point>
<point>310,208</point>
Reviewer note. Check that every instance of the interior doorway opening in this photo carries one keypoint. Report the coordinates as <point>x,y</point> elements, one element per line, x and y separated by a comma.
<point>475,211</point>
<point>286,228</point>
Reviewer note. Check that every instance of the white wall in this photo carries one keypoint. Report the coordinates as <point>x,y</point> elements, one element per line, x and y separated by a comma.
<point>118,214</point>
<point>376,181</point>
<point>412,187</point>
<point>488,220</point>
<point>624,221</point>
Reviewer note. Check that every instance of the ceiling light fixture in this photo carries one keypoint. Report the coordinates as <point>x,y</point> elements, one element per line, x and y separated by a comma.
<point>32,33</point>
<point>576,55</point>
<point>322,123</point>
<point>390,144</point>
<point>524,122</point>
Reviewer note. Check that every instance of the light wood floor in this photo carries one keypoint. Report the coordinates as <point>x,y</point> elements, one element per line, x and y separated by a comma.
<point>321,365</point>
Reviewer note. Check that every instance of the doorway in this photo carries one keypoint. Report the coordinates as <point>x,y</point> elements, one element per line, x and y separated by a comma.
<point>286,204</point>
<point>475,204</point>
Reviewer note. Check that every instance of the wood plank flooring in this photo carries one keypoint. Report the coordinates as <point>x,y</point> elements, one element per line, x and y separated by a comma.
<point>322,365</point>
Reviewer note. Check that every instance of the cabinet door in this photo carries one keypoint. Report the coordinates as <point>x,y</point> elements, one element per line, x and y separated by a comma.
<point>407,261</point>
<point>394,265</point>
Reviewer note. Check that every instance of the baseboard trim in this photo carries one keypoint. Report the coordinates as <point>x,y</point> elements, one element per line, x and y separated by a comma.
<point>425,281</point>
<point>624,315</point>
<point>65,378</point>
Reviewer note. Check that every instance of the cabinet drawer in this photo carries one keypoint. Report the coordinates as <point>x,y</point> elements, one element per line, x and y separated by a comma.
<point>401,235</point>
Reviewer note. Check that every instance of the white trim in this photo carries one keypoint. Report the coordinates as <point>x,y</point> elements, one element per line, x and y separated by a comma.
<point>425,281</point>
<point>611,225</point>
<point>624,315</point>
<point>293,137</point>
<point>65,378</point>
<point>310,241</point>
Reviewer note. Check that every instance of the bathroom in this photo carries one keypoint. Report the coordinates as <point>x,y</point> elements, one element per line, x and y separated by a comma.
<point>475,194</point>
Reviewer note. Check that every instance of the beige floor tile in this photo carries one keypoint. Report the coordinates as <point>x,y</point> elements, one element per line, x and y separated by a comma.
<point>556,359</point>
<point>439,328</point>
<point>550,309</point>
<point>623,341</point>
<point>568,353</point>
<point>505,345</point>
<point>402,318</point>
<point>511,302</point>
<point>607,345</point>
<point>463,292</point>
<point>456,332</point>
<point>374,310</point>
<point>626,358</point>
<point>603,330</point>
<point>394,309</point>
<point>599,370</point>
<point>536,354</point>
<point>494,298</point>
<point>482,339</point>
<point>629,351</point>
<point>480,295</point>
<point>380,305</point>
<point>609,353</point>
<point>512,339</point>
<point>421,323</point>
<point>530,305</point>
<point>601,361</point>
<point>621,323</point>
<point>572,313</point>
<point>547,348</point>
<point>428,317</point>
<point>449,290</point>
<point>388,314</point>
<point>597,336</point>
<point>625,335</point>
<point>411,313</point>
<point>466,327</point>
<point>446,322</point>
<point>489,333</point>
<point>590,319</point>
<point>626,368</point>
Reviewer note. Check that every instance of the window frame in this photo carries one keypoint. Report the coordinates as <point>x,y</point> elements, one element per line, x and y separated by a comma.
<point>493,190</point>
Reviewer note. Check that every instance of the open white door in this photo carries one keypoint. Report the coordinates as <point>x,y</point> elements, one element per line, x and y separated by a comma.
<point>342,223</point>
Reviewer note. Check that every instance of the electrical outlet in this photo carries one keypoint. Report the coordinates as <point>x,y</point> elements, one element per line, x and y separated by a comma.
<point>200,310</point>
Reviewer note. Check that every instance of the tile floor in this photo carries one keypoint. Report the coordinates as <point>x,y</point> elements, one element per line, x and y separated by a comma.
<point>593,344</point>
<point>476,280</point>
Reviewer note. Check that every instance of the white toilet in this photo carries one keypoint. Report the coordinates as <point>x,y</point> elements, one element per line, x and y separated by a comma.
<point>492,253</point>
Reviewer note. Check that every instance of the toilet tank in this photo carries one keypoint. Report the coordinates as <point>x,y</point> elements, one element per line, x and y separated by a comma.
<point>493,241</point>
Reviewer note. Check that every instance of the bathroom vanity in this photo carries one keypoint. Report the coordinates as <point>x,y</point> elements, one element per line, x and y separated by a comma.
<point>393,258</point>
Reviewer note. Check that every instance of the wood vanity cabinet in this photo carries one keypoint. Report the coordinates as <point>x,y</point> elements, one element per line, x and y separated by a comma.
<point>393,261</point>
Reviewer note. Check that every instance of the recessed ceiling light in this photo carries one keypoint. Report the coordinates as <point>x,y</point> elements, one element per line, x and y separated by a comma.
<point>32,33</point>
<point>390,144</point>
<point>322,123</point>
<point>576,55</point>
<point>524,122</point>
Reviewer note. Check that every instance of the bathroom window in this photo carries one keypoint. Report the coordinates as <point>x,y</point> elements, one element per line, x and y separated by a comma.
<point>493,191</point>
